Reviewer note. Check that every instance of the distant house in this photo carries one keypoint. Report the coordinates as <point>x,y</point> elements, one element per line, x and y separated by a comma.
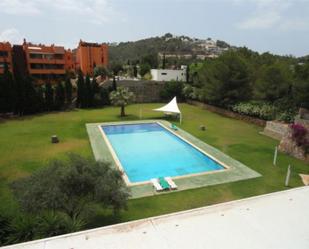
<point>169,74</point>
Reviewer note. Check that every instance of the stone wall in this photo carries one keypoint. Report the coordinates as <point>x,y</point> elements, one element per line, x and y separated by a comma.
<point>144,90</point>
<point>275,129</point>
<point>287,145</point>
<point>228,113</point>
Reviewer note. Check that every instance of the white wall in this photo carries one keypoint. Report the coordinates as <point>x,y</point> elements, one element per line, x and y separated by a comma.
<point>168,74</point>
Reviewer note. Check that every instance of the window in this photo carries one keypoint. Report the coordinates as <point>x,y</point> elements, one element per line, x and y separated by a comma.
<point>36,56</point>
<point>4,53</point>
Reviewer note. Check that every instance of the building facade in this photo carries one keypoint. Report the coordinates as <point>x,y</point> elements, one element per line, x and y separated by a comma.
<point>89,55</point>
<point>169,74</point>
<point>5,56</point>
<point>51,62</point>
<point>47,62</point>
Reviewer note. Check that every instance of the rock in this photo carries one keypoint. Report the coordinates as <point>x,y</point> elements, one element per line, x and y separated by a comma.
<point>54,139</point>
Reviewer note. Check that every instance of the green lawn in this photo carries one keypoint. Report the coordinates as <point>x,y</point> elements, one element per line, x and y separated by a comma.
<point>25,146</point>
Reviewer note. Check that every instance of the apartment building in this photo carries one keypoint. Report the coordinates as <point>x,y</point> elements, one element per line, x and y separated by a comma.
<point>47,62</point>
<point>89,55</point>
<point>5,56</point>
<point>44,62</point>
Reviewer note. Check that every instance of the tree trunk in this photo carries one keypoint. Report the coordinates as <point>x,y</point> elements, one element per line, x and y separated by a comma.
<point>122,114</point>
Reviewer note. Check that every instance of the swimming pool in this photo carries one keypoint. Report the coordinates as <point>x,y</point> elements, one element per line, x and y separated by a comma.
<point>149,150</point>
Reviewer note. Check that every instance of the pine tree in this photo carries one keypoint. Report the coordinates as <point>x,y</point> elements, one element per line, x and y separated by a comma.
<point>114,83</point>
<point>95,91</point>
<point>49,96</point>
<point>31,99</point>
<point>68,90</point>
<point>7,91</point>
<point>59,96</point>
<point>80,90</point>
<point>88,92</point>
<point>135,71</point>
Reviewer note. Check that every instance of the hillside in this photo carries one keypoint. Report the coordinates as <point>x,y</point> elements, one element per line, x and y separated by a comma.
<point>178,47</point>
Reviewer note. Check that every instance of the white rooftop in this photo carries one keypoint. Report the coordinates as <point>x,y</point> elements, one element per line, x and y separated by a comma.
<point>277,220</point>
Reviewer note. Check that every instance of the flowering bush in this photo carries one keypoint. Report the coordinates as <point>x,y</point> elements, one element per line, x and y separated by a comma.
<point>299,133</point>
<point>260,110</point>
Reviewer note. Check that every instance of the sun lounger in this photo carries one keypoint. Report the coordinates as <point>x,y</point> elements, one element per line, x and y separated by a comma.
<point>156,184</point>
<point>174,127</point>
<point>171,183</point>
<point>164,184</point>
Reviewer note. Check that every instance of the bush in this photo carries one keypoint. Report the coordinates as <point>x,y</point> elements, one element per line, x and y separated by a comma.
<point>299,134</point>
<point>4,229</point>
<point>71,186</point>
<point>265,111</point>
<point>259,110</point>
<point>172,89</point>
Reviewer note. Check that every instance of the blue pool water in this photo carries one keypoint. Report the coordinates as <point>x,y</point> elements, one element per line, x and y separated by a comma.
<point>149,151</point>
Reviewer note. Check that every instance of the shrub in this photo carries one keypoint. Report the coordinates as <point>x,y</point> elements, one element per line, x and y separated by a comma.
<point>259,110</point>
<point>71,186</point>
<point>299,134</point>
<point>172,89</point>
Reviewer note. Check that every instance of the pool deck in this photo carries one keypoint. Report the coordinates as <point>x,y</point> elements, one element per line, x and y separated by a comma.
<point>236,171</point>
<point>272,221</point>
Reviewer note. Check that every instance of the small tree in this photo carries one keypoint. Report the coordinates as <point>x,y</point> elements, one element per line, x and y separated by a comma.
<point>121,97</point>
<point>95,92</point>
<point>68,90</point>
<point>80,90</point>
<point>59,96</point>
<point>71,186</point>
<point>7,91</point>
<point>88,92</point>
<point>100,71</point>
<point>49,96</point>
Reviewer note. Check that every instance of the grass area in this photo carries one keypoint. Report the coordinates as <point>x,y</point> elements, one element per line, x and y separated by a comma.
<point>25,146</point>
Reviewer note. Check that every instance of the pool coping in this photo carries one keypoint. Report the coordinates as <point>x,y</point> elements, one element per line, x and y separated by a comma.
<point>234,170</point>
<point>126,177</point>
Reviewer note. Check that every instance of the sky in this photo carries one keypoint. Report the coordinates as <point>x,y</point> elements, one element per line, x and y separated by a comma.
<point>277,26</point>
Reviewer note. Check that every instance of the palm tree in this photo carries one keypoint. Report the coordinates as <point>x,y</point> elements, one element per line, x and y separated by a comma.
<point>121,97</point>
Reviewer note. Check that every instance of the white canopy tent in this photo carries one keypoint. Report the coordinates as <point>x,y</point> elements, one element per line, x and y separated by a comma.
<point>171,108</point>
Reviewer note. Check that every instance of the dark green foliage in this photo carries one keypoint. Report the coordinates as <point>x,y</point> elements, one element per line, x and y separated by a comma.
<point>49,96</point>
<point>115,68</point>
<point>59,96</point>
<point>144,69</point>
<point>81,90</point>
<point>23,228</point>
<point>163,62</point>
<point>151,60</point>
<point>274,82</point>
<point>172,89</point>
<point>104,95</point>
<point>226,80</point>
<point>57,223</point>
<point>68,90</point>
<point>70,186</point>
<point>88,92</point>
<point>301,85</point>
<point>222,44</point>
<point>95,92</point>
<point>150,46</point>
<point>100,71</point>
<point>30,98</point>
<point>7,91</point>
<point>135,71</point>
<point>5,229</point>
<point>114,86</point>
